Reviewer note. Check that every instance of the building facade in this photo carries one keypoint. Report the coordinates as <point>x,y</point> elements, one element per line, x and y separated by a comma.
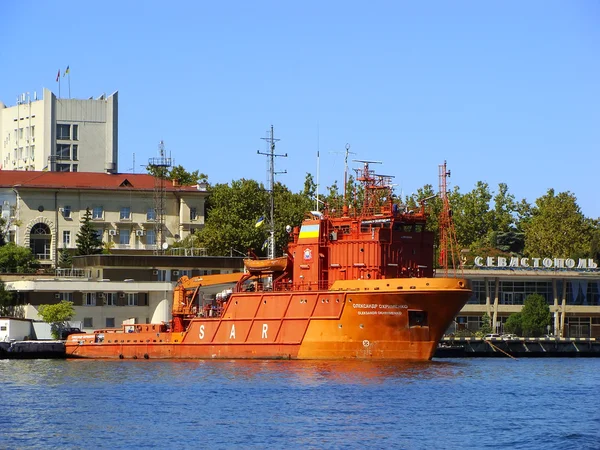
<point>571,288</point>
<point>107,290</point>
<point>60,134</point>
<point>43,211</point>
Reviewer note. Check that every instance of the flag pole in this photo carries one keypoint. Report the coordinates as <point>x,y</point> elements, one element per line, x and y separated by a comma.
<point>58,79</point>
<point>69,74</point>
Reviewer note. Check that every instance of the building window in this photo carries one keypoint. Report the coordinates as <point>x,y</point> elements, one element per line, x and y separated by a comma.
<point>66,296</point>
<point>75,133</point>
<point>125,213</point>
<point>32,131</point>
<point>75,152</point>
<point>99,234</point>
<point>110,322</point>
<point>63,167</point>
<point>98,212</point>
<point>90,299</point>
<point>88,322</point>
<point>151,215</point>
<point>63,131</point>
<point>132,299</point>
<point>193,214</point>
<point>110,299</point>
<point>66,238</point>
<point>150,237</point>
<point>66,212</point>
<point>162,275</point>
<point>124,237</point>
<point>74,167</point>
<point>63,151</point>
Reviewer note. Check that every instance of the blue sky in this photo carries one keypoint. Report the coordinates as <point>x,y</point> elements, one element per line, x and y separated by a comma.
<point>504,91</point>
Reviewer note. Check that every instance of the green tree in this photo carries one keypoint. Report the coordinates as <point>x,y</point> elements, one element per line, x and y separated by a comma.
<point>64,258</point>
<point>472,216</point>
<point>231,216</point>
<point>535,316</point>
<point>185,178</point>
<point>502,217</point>
<point>557,228</point>
<point>177,173</point>
<point>486,327</point>
<point>2,231</point>
<point>88,241</point>
<point>513,324</point>
<point>533,320</point>
<point>7,302</point>
<point>57,315</point>
<point>16,259</point>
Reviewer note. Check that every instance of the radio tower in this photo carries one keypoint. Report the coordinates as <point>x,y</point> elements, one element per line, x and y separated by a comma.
<point>449,253</point>
<point>271,180</point>
<point>160,168</point>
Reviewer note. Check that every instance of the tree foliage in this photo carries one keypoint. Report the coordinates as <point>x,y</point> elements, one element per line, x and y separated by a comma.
<point>178,174</point>
<point>2,231</point>
<point>88,242</point>
<point>234,209</point>
<point>7,301</point>
<point>16,259</point>
<point>557,228</point>
<point>57,315</point>
<point>232,213</point>
<point>486,325</point>
<point>533,320</point>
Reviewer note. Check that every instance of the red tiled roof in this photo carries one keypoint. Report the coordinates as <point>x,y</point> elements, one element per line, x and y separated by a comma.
<point>84,180</point>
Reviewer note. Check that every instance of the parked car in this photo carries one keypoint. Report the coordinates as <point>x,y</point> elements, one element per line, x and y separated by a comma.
<point>66,332</point>
<point>509,337</point>
<point>492,336</point>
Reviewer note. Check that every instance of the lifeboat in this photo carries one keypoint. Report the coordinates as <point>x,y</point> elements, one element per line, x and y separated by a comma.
<point>266,265</point>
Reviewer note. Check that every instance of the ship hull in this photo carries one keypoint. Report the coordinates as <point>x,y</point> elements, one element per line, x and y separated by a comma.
<point>380,319</point>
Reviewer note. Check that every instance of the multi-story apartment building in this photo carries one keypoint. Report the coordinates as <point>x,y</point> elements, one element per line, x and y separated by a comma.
<point>43,210</point>
<point>60,134</point>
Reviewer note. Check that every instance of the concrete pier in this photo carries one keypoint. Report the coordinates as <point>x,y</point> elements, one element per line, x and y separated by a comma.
<point>32,350</point>
<point>452,347</point>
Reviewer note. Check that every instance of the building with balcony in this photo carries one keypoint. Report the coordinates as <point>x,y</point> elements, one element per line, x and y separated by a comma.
<point>43,211</point>
<point>60,134</point>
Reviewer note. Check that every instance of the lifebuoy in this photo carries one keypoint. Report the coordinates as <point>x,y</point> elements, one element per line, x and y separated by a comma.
<point>120,356</point>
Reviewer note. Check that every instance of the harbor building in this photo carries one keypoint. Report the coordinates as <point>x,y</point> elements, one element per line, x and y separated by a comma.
<point>60,134</point>
<point>500,286</point>
<point>107,290</point>
<point>131,213</point>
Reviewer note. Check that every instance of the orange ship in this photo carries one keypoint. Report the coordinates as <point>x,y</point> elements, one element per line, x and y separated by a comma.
<point>354,285</point>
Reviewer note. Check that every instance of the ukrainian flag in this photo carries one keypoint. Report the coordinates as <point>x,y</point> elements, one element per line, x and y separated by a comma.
<point>259,222</point>
<point>309,231</point>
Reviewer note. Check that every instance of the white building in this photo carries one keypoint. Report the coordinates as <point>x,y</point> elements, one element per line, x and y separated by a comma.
<point>60,134</point>
<point>43,211</point>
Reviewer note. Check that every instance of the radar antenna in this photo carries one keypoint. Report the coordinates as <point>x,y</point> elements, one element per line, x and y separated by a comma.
<point>271,177</point>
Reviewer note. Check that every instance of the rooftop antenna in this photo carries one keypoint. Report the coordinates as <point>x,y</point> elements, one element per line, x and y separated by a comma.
<point>271,176</point>
<point>318,166</point>
<point>160,168</point>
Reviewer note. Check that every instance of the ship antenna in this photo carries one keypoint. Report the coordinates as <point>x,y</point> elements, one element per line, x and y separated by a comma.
<point>346,153</point>
<point>448,241</point>
<point>271,176</point>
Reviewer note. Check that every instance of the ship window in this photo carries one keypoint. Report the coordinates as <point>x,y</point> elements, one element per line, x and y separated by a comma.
<point>417,319</point>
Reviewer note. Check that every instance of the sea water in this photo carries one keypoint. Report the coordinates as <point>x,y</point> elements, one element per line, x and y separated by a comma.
<point>449,403</point>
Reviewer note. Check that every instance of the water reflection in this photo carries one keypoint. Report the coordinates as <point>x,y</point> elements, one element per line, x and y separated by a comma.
<point>305,373</point>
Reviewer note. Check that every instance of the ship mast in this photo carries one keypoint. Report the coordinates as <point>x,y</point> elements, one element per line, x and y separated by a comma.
<point>448,241</point>
<point>271,178</point>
